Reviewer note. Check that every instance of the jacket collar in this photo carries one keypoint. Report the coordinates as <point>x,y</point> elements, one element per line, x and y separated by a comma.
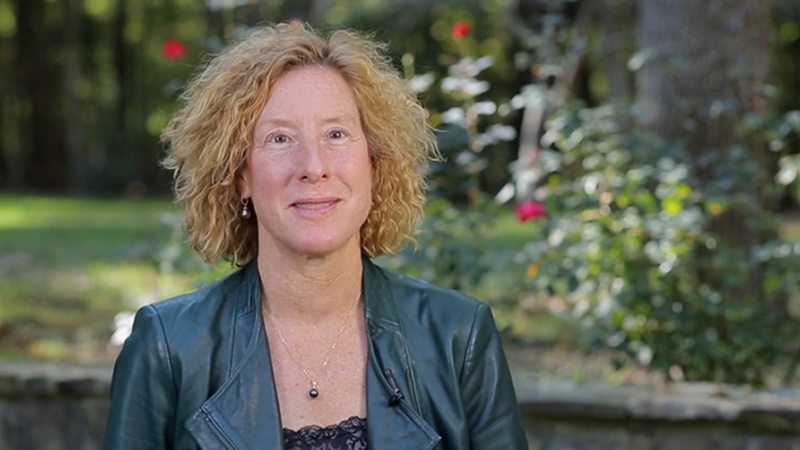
<point>244,414</point>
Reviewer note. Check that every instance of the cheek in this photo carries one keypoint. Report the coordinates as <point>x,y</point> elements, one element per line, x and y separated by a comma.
<point>268,171</point>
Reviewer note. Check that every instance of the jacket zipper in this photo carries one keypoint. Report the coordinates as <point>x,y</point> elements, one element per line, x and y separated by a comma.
<point>397,395</point>
<point>220,433</point>
<point>412,387</point>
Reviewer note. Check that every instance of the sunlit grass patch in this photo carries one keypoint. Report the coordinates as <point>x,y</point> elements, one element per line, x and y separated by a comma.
<point>69,266</point>
<point>55,232</point>
<point>69,313</point>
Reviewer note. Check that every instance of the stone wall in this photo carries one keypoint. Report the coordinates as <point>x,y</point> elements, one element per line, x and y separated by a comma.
<point>45,406</point>
<point>53,407</point>
<point>566,416</point>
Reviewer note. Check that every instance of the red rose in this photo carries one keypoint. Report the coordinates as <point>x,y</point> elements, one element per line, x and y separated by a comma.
<point>530,211</point>
<point>173,50</point>
<point>461,30</point>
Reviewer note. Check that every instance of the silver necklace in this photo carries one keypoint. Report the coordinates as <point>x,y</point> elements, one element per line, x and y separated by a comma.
<point>314,392</point>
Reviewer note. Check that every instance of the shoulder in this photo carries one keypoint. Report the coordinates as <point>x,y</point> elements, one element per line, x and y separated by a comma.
<point>199,313</point>
<point>444,305</point>
<point>445,331</point>
<point>224,299</point>
<point>435,320</point>
<point>193,323</point>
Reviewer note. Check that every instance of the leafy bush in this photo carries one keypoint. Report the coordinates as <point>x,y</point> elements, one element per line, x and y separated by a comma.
<point>634,247</point>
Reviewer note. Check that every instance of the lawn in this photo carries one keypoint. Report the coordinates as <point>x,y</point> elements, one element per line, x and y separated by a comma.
<point>69,266</point>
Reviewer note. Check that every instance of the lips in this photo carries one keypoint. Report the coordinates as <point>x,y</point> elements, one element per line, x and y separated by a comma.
<point>315,205</point>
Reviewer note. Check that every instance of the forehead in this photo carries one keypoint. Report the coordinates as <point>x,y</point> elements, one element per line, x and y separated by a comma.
<point>310,92</point>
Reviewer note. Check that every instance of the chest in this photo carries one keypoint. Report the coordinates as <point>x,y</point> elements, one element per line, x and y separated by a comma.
<point>320,378</point>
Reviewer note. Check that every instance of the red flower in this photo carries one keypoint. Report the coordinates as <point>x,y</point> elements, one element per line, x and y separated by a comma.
<point>530,211</point>
<point>461,30</point>
<point>173,50</point>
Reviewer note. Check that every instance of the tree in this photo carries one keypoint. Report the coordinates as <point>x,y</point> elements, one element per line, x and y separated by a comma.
<point>73,78</point>
<point>706,65</point>
<point>47,162</point>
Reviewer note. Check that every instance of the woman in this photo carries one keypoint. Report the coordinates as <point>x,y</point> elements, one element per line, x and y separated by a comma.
<point>300,158</point>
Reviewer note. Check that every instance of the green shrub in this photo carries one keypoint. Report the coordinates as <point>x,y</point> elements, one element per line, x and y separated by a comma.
<point>634,247</point>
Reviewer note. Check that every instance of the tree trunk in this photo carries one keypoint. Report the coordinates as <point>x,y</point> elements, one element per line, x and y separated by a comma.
<point>707,66</point>
<point>701,54</point>
<point>146,151</point>
<point>73,78</point>
<point>557,91</point>
<point>122,72</point>
<point>12,163</point>
<point>3,165</point>
<point>47,162</point>
<point>617,23</point>
<point>5,94</point>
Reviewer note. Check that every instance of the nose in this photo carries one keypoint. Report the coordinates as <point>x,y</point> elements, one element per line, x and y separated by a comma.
<point>315,162</point>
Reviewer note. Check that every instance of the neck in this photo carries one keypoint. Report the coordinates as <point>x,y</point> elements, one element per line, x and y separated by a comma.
<point>310,289</point>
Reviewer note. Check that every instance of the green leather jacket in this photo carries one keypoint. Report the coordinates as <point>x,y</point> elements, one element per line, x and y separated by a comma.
<point>195,372</point>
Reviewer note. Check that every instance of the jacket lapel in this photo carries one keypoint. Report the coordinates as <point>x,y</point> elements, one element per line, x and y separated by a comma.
<point>243,414</point>
<point>393,422</point>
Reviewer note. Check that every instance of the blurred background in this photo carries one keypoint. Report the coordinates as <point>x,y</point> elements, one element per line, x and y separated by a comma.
<point>620,178</point>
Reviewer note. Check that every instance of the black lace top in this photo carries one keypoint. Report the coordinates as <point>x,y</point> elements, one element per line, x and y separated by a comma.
<point>350,434</point>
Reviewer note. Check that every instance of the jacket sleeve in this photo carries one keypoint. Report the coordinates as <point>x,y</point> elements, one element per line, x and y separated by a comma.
<point>487,390</point>
<point>143,390</point>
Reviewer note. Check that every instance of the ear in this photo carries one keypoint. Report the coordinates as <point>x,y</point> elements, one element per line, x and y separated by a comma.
<point>243,182</point>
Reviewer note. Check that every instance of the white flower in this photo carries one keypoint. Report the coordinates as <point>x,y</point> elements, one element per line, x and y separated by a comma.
<point>531,95</point>
<point>450,84</point>
<point>483,108</point>
<point>788,171</point>
<point>793,118</point>
<point>467,86</point>
<point>505,194</point>
<point>123,325</point>
<point>502,132</point>
<point>225,4</point>
<point>455,116</point>
<point>466,158</point>
<point>470,68</point>
<point>473,88</point>
<point>421,83</point>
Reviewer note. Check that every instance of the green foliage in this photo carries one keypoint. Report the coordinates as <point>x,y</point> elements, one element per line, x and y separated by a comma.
<point>635,248</point>
<point>447,251</point>
<point>473,249</point>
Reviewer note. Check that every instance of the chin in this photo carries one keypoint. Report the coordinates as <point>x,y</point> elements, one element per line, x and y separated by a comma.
<point>320,248</point>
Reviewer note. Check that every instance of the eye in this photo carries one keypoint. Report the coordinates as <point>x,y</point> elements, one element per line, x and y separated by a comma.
<point>277,138</point>
<point>337,134</point>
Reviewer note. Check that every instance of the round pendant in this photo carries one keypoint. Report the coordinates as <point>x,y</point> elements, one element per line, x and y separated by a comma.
<point>313,393</point>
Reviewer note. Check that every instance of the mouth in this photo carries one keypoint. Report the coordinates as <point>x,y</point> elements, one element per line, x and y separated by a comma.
<point>315,205</point>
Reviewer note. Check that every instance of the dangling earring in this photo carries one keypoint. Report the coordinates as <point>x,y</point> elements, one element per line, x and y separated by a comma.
<point>245,213</point>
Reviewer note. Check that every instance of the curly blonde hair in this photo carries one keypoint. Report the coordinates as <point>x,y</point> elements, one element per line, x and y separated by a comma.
<point>209,138</point>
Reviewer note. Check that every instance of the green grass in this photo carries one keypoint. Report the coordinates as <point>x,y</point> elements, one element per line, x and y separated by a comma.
<point>68,266</point>
<point>63,231</point>
<point>509,234</point>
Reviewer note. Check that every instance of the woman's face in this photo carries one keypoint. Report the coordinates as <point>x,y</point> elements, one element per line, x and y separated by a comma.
<point>309,173</point>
